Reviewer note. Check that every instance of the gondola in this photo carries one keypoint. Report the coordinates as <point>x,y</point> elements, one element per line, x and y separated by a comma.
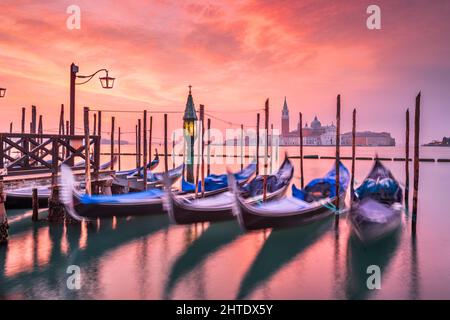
<point>219,207</point>
<point>21,198</point>
<point>377,204</point>
<point>86,207</point>
<point>312,203</point>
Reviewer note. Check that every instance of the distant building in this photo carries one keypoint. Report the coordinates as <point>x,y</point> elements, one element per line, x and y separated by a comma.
<point>318,135</point>
<point>368,138</point>
<point>313,135</point>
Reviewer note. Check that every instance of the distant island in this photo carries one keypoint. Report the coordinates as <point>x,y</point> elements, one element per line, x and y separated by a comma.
<point>108,141</point>
<point>445,142</point>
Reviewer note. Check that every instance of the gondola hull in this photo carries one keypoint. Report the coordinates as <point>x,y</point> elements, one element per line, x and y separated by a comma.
<point>104,210</point>
<point>250,218</point>
<point>220,208</point>
<point>183,213</point>
<point>24,201</point>
<point>369,230</point>
<point>377,205</point>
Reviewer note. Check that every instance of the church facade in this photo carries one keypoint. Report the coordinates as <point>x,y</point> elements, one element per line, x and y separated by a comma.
<point>313,135</point>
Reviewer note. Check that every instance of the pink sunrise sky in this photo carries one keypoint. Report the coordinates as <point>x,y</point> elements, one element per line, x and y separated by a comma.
<point>235,54</point>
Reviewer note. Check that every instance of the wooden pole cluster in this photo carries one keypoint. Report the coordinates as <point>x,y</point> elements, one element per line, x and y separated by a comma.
<point>416,160</point>
<point>352,182</point>
<point>95,125</point>
<point>300,131</point>
<point>144,144</point>
<point>407,161</point>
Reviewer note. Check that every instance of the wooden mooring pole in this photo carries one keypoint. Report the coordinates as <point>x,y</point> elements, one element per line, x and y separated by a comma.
<point>199,130</point>
<point>119,151</point>
<point>242,147</point>
<point>407,162</point>
<point>139,143</point>
<point>95,125</point>
<point>208,152</point>
<point>87,148</point>
<point>173,151</point>
<point>61,121</point>
<point>271,148</point>
<point>266,147</point>
<point>3,218</point>
<point>300,131</point>
<point>113,128</point>
<point>33,119</point>
<point>202,126</point>
<point>166,164</point>
<point>257,144</point>
<point>352,179</point>
<point>23,121</point>
<point>35,205</point>
<point>144,144</point>
<point>338,134</point>
<point>150,138</point>
<point>416,161</point>
<point>136,146</point>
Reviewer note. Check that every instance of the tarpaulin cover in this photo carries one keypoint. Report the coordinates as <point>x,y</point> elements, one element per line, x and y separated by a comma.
<point>327,182</point>
<point>274,182</point>
<point>219,181</point>
<point>121,198</point>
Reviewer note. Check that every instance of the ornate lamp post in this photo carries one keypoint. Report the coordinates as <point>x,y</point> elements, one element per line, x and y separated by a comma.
<point>2,92</point>
<point>107,82</point>
<point>189,119</point>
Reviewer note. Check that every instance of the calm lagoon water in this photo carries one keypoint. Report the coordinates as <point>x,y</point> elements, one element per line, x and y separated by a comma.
<point>146,258</point>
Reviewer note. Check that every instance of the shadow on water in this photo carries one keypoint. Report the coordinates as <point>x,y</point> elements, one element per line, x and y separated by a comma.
<point>210,241</point>
<point>279,249</point>
<point>79,245</point>
<point>361,255</point>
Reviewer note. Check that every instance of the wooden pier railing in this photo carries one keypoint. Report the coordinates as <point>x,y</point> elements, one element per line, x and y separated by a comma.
<point>28,154</point>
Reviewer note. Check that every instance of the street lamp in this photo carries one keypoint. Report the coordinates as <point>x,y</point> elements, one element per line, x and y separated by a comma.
<point>189,119</point>
<point>107,82</point>
<point>2,92</point>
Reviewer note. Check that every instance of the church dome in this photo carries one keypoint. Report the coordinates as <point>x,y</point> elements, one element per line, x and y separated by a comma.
<point>315,124</point>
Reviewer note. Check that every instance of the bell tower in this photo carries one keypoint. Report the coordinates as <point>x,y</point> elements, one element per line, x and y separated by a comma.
<point>285,119</point>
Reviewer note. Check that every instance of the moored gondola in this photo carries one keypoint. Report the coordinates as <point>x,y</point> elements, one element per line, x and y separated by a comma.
<point>377,204</point>
<point>314,202</point>
<point>97,206</point>
<point>21,198</point>
<point>219,207</point>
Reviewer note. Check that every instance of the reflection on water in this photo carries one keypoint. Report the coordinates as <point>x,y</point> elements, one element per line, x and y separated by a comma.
<point>360,256</point>
<point>146,258</point>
